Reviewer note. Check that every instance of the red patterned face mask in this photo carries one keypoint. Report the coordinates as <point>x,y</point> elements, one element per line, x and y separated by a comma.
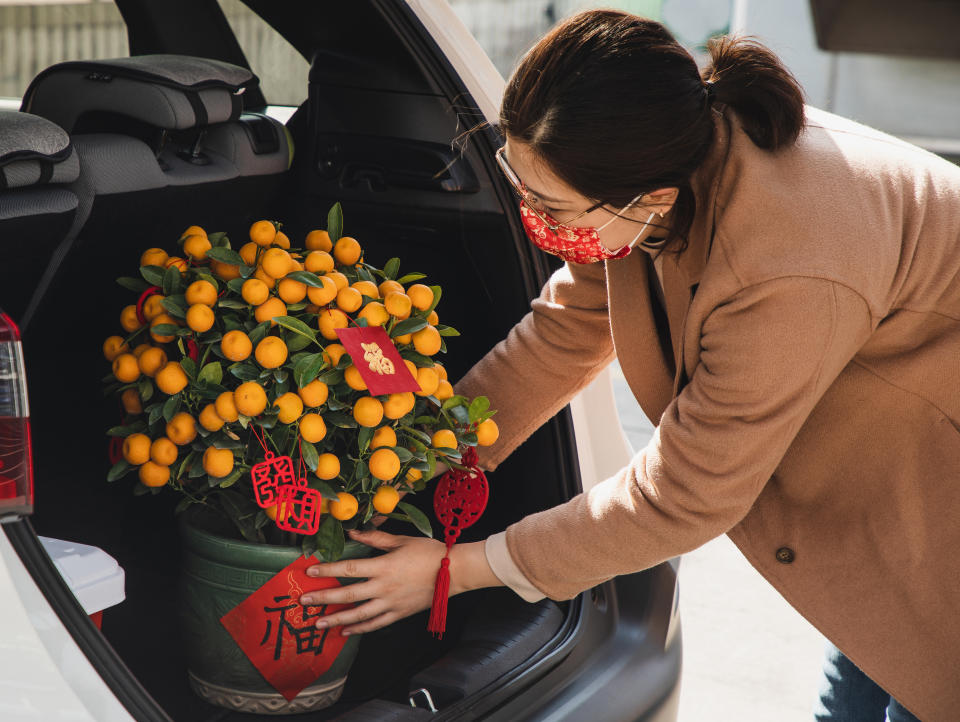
<point>572,244</point>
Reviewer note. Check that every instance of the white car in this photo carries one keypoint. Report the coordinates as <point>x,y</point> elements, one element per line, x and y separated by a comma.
<point>121,167</point>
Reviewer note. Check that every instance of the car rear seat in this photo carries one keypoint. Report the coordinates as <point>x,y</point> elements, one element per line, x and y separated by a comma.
<point>163,143</point>
<point>36,212</point>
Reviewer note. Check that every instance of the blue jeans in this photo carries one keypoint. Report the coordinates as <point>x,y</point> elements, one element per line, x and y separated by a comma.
<point>848,695</point>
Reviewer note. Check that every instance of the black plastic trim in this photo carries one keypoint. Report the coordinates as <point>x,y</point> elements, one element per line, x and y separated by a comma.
<point>94,646</point>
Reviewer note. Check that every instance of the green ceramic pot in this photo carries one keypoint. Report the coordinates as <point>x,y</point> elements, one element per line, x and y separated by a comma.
<point>218,573</point>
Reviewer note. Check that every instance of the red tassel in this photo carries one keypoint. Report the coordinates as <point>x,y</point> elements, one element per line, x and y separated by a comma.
<point>459,500</point>
<point>441,594</point>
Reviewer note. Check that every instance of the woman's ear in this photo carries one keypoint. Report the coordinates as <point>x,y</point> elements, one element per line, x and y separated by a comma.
<point>660,201</point>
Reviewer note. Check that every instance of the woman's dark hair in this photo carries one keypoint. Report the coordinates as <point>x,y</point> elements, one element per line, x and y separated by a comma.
<point>615,106</point>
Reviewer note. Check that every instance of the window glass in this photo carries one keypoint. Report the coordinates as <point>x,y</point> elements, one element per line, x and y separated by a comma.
<point>35,34</point>
<point>282,70</point>
<point>506,29</point>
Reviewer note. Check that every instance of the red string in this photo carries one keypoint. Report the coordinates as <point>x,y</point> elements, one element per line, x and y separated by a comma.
<point>263,443</point>
<point>301,466</point>
<point>142,300</point>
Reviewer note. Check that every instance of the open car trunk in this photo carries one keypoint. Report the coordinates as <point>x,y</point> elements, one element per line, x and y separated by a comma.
<point>375,134</point>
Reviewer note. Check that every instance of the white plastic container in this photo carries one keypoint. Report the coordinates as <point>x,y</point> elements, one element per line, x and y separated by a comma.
<point>93,576</point>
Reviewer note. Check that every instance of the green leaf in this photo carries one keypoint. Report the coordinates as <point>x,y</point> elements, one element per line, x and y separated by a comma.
<point>152,274</point>
<point>437,292</point>
<point>211,373</point>
<point>418,358</point>
<point>296,325</point>
<point>145,389</point>
<point>455,400</point>
<point>233,303</point>
<point>236,285</point>
<point>170,407</point>
<point>329,537</point>
<point>364,437</point>
<point>171,304</point>
<point>477,407</point>
<point>411,277</point>
<point>460,414</point>
<point>410,325</point>
<point>155,413</point>
<point>418,518</point>
<point>165,329</point>
<point>296,342</point>
<point>225,255</point>
<point>341,419</point>
<point>403,454</point>
<point>331,377</point>
<point>469,438</point>
<point>189,367</point>
<point>364,274</point>
<point>280,376</point>
<point>232,479</point>
<point>219,239</point>
<point>307,368</point>
<point>306,277</point>
<point>447,330</point>
<point>133,284</point>
<point>245,371</point>
<point>120,469</point>
<point>308,546</point>
<point>310,456</point>
<point>392,268</point>
<point>259,332</point>
<point>335,404</point>
<point>126,430</point>
<point>171,281</point>
<point>326,491</point>
<point>335,222</point>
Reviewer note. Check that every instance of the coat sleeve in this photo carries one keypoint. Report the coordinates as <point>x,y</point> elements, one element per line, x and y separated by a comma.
<point>767,355</point>
<point>552,353</point>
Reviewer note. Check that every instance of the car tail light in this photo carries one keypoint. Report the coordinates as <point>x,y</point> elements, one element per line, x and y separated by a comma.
<point>16,457</point>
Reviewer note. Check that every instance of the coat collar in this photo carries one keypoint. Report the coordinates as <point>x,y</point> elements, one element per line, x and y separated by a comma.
<point>705,184</point>
<point>646,365</point>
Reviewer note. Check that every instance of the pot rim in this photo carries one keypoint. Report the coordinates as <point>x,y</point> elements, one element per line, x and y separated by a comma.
<point>207,543</point>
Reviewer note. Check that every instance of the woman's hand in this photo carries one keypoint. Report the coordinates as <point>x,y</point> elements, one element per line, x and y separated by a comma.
<point>399,583</point>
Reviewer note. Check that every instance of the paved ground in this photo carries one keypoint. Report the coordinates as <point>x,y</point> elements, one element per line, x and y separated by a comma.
<point>748,655</point>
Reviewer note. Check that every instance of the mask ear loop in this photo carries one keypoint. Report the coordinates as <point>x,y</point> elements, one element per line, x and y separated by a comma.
<point>646,223</point>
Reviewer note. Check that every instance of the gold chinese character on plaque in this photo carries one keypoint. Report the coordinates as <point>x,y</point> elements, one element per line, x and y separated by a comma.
<point>373,355</point>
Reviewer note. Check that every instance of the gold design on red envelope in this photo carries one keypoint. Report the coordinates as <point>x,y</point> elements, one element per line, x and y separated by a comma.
<point>373,355</point>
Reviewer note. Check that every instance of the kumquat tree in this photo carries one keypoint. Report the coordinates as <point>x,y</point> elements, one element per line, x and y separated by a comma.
<point>292,389</point>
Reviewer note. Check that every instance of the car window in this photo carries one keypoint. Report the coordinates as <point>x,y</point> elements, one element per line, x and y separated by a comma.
<point>35,35</point>
<point>282,70</point>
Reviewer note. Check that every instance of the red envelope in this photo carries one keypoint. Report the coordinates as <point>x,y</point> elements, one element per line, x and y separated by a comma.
<point>377,360</point>
<point>279,635</point>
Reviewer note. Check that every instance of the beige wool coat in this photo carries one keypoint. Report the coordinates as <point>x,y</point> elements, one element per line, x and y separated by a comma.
<point>812,413</point>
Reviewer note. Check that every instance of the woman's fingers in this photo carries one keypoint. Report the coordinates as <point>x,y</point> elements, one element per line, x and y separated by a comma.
<point>364,612</point>
<point>347,594</point>
<point>344,568</point>
<point>371,624</point>
<point>378,539</point>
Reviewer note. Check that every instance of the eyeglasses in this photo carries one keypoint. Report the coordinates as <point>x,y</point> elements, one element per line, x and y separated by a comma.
<point>534,205</point>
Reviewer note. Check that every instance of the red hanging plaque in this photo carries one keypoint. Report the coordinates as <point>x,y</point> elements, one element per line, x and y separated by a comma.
<point>269,475</point>
<point>279,635</point>
<point>299,508</point>
<point>377,360</point>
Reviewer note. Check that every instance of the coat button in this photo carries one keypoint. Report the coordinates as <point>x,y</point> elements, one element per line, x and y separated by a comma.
<point>785,555</point>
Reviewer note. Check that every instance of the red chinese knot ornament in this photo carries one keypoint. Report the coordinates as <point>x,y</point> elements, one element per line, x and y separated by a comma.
<point>459,501</point>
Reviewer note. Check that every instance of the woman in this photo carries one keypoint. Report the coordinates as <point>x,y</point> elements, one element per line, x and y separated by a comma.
<point>790,313</point>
